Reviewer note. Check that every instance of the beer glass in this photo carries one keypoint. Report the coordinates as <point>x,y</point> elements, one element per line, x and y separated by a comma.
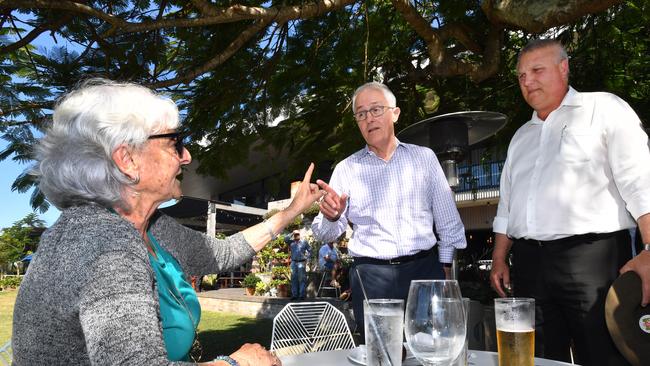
<point>435,323</point>
<point>515,323</point>
<point>384,322</point>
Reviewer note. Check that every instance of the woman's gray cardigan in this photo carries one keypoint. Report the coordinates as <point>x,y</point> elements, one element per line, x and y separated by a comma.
<point>89,296</point>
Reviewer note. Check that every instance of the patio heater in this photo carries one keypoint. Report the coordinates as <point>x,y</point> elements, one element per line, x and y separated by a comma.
<point>450,136</point>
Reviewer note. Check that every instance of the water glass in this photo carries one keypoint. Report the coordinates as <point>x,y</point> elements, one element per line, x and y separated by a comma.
<point>515,323</point>
<point>461,360</point>
<point>435,325</point>
<point>383,325</point>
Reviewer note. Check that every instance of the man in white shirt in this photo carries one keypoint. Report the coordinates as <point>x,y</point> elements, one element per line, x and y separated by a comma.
<point>391,194</point>
<point>577,176</point>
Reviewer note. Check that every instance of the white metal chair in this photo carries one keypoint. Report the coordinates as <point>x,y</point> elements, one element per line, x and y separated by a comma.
<point>309,327</point>
<point>6,354</point>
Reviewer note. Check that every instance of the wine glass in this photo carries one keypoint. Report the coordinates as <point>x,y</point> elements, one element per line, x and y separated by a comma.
<point>435,322</point>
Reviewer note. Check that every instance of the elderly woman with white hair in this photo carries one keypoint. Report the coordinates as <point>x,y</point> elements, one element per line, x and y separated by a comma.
<point>108,284</point>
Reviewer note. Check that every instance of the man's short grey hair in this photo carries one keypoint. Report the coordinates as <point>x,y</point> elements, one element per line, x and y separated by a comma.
<point>537,44</point>
<point>390,97</point>
<point>74,162</point>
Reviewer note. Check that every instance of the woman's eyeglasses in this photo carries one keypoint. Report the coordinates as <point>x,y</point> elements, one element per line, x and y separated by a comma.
<point>176,136</point>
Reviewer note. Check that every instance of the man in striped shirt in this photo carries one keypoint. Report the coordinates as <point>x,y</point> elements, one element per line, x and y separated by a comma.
<point>392,194</point>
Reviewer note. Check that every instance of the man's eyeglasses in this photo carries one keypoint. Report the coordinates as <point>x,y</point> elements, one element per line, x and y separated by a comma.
<point>176,136</point>
<point>376,111</point>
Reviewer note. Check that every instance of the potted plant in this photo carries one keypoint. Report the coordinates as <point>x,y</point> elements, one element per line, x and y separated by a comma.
<point>281,286</point>
<point>250,283</point>
<point>281,280</point>
<point>261,289</point>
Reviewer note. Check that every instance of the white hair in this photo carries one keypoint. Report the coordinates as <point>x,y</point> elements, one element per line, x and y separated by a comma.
<point>74,162</point>
<point>390,97</point>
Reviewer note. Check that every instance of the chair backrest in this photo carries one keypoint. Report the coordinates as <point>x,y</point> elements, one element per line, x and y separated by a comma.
<point>6,354</point>
<point>306,327</point>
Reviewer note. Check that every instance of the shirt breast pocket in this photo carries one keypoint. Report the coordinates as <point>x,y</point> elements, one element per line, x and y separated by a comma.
<point>576,146</point>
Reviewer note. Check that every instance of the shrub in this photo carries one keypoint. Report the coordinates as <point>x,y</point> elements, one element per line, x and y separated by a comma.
<point>277,282</point>
<point>10,282</point>
<point>281,273</point>
<point>312,211</point>
<point>261,288</point>
<point>251,280</point>
<point>209,282</point>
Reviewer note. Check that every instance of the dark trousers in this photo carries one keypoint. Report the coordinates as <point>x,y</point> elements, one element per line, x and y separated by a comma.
<point>389,281</point>
<point>569,280</point>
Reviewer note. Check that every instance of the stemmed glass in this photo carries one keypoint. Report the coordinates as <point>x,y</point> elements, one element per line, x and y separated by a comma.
<point>435,322</point>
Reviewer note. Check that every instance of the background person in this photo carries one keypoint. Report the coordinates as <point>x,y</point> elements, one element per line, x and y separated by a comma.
<point>576,177</point>
<point>300,252</point>
<point>109,282</point>
<point>392,194</point>
<point>328,260</point>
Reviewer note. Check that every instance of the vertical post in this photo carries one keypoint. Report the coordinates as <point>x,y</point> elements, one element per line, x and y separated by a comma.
<point>211,225</point>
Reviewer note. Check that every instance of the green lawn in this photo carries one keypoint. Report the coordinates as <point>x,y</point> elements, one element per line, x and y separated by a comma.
<point>7,299</point>
<point>219,333</point>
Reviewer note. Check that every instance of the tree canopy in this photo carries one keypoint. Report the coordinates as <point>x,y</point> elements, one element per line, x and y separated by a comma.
<point>20,239</point>
<point>238,68</point>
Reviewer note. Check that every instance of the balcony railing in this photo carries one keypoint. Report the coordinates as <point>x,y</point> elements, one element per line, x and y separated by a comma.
<point>479,177</point>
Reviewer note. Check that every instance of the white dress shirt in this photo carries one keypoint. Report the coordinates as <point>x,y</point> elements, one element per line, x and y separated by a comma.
<point>585,169</point>
<point>393,205</point>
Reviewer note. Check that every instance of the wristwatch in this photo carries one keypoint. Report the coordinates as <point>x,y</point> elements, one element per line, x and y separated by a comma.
<point>228,359</point>
<point>646,246</point>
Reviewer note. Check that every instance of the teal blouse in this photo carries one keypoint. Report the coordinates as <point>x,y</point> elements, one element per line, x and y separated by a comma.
<point>179,306</point>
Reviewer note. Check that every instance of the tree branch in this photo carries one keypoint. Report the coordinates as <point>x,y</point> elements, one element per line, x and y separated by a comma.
<point>422,28</point>
<point>217,15</point>
<point>203,6</point>
<point>491,55</point>
<point>27,106</point>
<point>536,16</point>
<point>233,47</point>
<point>63,5</point>
<point>461,33</point>
<point>282,15</point>
<point>441,63</point>
<point>41,28</point>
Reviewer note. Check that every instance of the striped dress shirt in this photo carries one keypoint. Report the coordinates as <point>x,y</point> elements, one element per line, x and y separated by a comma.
<point>393,205</point>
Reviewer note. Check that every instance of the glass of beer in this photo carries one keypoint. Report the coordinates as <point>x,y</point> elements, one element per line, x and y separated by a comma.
<point>515,323</point>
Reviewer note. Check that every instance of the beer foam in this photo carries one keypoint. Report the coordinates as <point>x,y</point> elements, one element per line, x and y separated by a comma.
<point>522,329</point>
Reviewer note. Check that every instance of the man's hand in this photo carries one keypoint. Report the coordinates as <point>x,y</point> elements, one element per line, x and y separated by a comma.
<point>641,265</point>
<point>500,277</point>
<point>500,273</point>
<point>332,205</point>
<point>447,270</point>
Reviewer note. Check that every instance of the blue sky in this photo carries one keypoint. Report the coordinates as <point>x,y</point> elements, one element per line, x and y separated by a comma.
<point>15,205</point>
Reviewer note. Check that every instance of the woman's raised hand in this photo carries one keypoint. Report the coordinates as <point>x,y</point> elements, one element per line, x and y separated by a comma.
<point>307,194</point>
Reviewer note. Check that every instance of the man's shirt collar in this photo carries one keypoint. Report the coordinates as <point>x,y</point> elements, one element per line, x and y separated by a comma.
<point>366,152</point>
<point>571,99</point>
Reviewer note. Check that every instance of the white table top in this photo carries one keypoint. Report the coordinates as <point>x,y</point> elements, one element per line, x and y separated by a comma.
<point>339,358</point>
